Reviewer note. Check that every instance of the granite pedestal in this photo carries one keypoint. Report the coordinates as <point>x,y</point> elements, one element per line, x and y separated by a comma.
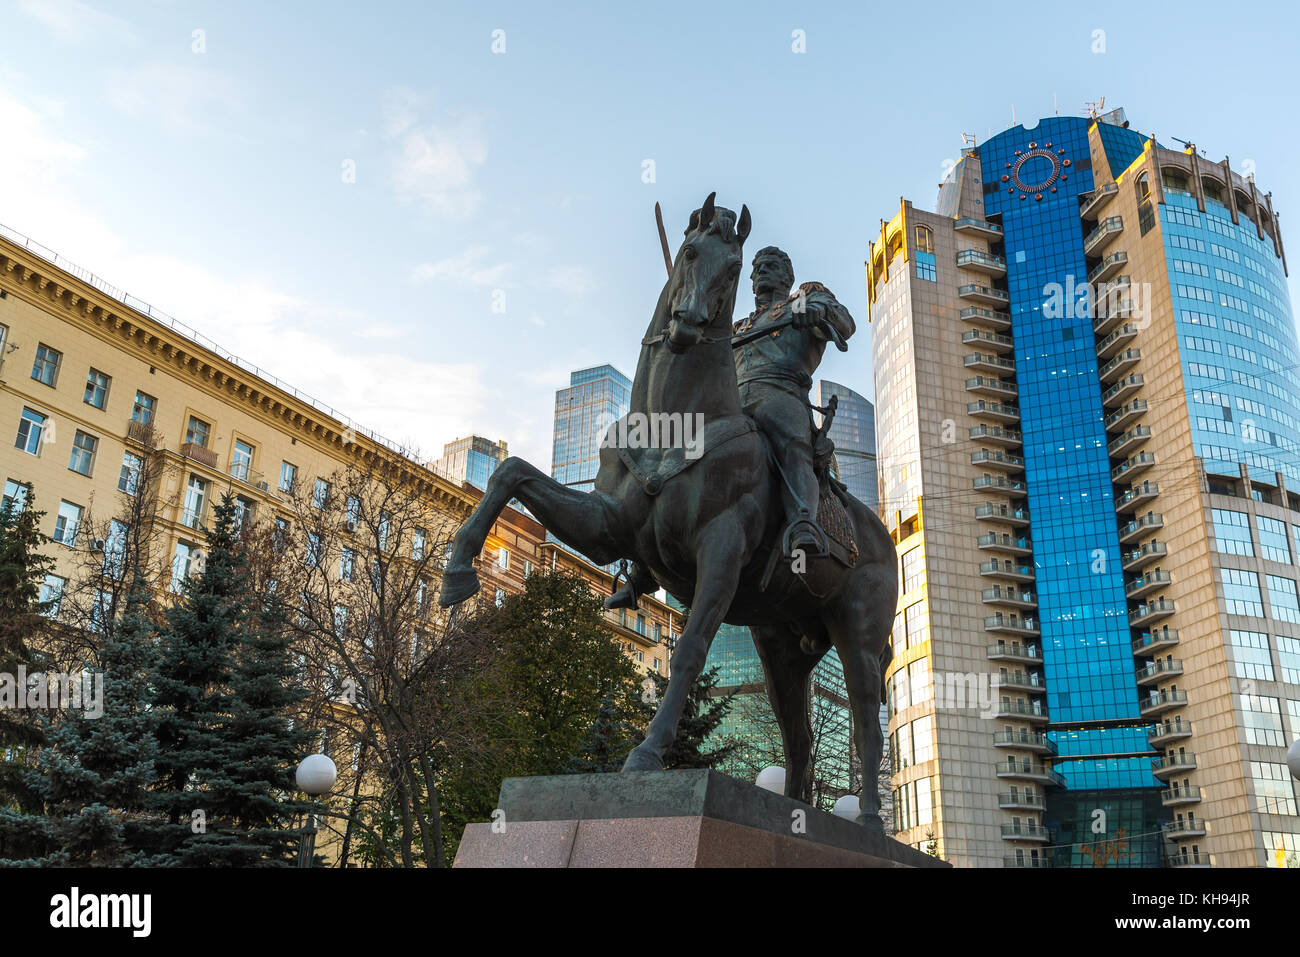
<point>669,819</point>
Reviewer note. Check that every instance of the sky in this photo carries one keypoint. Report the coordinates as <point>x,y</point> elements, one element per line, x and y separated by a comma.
<point>428,214</point>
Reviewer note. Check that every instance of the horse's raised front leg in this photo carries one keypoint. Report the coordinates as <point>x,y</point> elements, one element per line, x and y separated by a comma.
<point>717,573</point>
<point>582,520</point>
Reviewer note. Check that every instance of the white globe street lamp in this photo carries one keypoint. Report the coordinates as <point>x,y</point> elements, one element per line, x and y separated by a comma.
<point>1293,758</point>
<point>847,807</point>
<point>771,779</point>
<point>315,776</point>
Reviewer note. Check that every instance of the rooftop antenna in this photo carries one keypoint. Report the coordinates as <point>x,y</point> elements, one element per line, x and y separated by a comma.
<point>1188,145</point>
<point>1094,107</point>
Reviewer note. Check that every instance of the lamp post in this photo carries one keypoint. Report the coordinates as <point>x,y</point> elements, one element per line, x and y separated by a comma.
<point>1293,759</point>
<point>315,776</point>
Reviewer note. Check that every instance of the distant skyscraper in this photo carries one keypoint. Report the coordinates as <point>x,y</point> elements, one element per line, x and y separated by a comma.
<point>854,433</point>
<point>471,459</point>
<point>595,398</point>
<point>1086,377</point>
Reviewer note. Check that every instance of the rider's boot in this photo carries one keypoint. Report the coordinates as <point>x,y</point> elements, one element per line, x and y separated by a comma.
<point>639,582</point>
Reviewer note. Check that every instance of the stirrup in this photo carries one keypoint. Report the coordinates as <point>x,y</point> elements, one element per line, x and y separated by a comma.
<point>805,527</point>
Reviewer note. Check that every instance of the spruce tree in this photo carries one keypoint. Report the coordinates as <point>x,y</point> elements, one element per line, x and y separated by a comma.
<point>23,567</point>
<point>703,713</point>
<point>93,773</point>
<point>608,742</point>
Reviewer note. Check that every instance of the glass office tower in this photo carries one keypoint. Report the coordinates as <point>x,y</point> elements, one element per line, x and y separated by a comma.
<point>1087,408</point>
<point>472,459</point>
<point>853,431</point>
<point>594,399</point>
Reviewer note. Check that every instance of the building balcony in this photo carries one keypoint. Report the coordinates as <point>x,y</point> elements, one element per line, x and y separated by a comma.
<point>1014,651</point>
<point>141,434</point>
<point>1133,466</point>
<point>1097,199</point>
<point>1133,439</point>
<point>1158,702</point>
<point>1155,641</point>
<point>987,362</point>
<point>1021,801</point>
<point>1012,571</point>
<point>993,341</point>
<point>1107,313</point>
<point>1143,556</point>
<point>1177,830</point>
<point>1144,585</point>
<point>1161,734</point>
<point>1144,525</point>
<point>983,385</point>
<point>979,261</point>
<point>995,435</point>
<point>1022,739</point>
<point>1033,863</point>
<point>1122,389</point>
<point>978,227</point>
<point>1100,238</point>
<point>1180,794</point>
<point>1025,770</point>
<point>1009,598</point>
<point>998,485</point>
<point>1151,611</point>
<point>1002,513</point>
<point>1035,713</point>
<point>989,317</point>
<point>974,292</point>
<point>1119,364</point>
<point>1158,670</point>
<point>1108,266</point>
<point>997,459</point>
<point>993,410</point>
<point>1025,831</point>
<point>1189,859</point>
<point>199,454</point>
<point>1030,682</point>
<point>994,542</point>
<point>1175,763</point>
<point>1012,625</point>
<point>1116,339</point>
<point>1136,495</point>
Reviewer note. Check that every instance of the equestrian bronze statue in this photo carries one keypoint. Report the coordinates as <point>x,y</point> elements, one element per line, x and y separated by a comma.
<point>735,524</point>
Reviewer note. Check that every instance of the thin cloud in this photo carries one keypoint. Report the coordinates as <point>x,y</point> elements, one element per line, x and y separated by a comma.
<point>75,22</point>
<point>468,268</point>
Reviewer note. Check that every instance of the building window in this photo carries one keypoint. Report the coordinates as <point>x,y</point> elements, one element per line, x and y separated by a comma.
<point>241,460</point>
<point>1273,542</point>
<point>1262,719</point>
<point>196,432</point>
<point>288,476</point>
<point>1232,533</point>
<point>353,512</point>
<point>46,367</point>
<point>913,569</point>
<point>926,268</point>
<point>82,459</point>
<point>144,408</point>
<point>924,239</point>
<point>347,559</point>
<point>114,550</point>
<point>99,611</point>
<point>280,535</point>
<point>182,564</point>
<point>196,494</point>
<point>1282,599</point>
<point>320,493</point>
<point>243,513</point>
<point>340,621</point>
<point>1274,788</point>
<point>503,559</point>
<point>417,545</point>
<point>314,551</point>
<point>128,479</point>
<point>66,524</point>
<point>97,389</point>
<point>15,497</point>
<point>1288,657</point>
<point>30,429</point>
<point>501,597</point>
<point>52,595</point>
<point>1250,655</point>
<point>385,520</point>
<point>1241,592</point>
<point>528,568</point>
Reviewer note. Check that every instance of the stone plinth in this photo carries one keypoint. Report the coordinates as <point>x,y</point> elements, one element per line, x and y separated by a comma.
<point>669,819</point>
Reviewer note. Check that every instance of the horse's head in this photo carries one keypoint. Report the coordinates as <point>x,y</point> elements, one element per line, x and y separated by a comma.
<point>702,286</point>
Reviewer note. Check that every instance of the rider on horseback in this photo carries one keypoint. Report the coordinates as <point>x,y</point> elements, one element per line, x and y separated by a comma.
<point>774,373</point>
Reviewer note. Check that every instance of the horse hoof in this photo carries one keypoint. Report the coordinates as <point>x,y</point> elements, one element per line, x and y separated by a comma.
<point>457,586</point>
<point>872,823</point>
<point>640,760</point>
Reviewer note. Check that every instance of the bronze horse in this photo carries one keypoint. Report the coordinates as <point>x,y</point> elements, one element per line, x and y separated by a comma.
<point>706,528</point>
